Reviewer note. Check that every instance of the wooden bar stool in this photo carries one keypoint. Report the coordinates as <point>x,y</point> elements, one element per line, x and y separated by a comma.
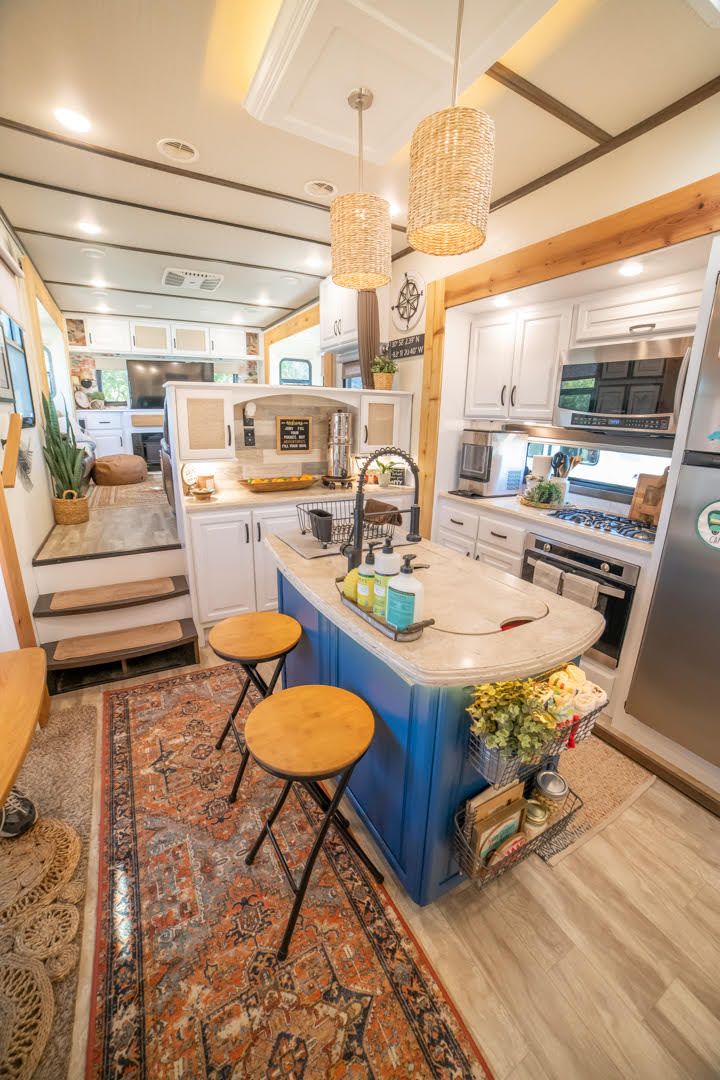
<point>304,735</point>
<point>249,640</point>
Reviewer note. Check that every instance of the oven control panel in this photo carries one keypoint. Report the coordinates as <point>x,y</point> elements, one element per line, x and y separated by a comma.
<point>636,423</point>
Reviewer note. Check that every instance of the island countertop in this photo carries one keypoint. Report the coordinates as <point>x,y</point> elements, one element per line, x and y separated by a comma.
<point>470,603</point>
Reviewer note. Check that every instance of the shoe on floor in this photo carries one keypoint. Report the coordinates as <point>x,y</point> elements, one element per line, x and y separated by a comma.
<point>17,815</point>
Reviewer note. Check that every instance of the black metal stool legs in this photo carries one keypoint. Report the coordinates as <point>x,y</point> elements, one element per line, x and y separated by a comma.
<point>252,676</point>
<point>342,824</point>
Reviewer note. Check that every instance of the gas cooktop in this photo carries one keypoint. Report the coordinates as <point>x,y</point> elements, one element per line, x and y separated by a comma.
<point>609,523</point>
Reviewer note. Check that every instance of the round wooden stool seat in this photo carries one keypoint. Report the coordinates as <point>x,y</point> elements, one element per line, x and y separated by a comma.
<point>309,732</point>
<point>257,636</point>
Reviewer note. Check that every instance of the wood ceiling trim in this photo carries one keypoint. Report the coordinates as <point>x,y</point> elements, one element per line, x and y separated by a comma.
<point>167,254</point>
<point>293,324</point>
<point>159,210</point>
<point>161,166</point>
<point>168,296</point>
<point>549,104</point>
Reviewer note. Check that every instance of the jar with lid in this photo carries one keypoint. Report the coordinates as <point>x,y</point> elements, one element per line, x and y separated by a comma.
<point>536,818</point>
<point>550,790</point>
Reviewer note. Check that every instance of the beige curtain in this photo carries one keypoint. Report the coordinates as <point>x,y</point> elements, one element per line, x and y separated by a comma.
<point>368,333</point>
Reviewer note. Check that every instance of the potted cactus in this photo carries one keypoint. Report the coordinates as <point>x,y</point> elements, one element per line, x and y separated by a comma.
<point>64,460</point>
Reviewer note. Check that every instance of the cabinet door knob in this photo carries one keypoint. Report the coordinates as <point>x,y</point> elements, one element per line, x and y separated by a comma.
<point>512,396</point>
<point>456,522</point>
<point>502,394</point>
<point>258,532</point>
<point>247,533</point>
<point>229,435</point>
<point>500,536</point>
<point>641,326</point>
<point>366,434</point>
<point>477,558</point>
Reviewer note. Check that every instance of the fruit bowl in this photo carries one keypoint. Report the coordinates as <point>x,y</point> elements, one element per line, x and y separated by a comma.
<point>279,483</point>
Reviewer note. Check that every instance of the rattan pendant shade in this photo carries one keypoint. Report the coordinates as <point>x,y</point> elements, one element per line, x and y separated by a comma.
<point>360,226</point>
<point>451,169</point>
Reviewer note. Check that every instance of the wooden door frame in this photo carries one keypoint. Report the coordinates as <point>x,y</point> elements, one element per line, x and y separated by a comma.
<point>302,321</point>
<point>683,214</point>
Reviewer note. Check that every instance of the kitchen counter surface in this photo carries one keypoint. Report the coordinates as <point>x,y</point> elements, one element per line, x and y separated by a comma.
<point>469,601</point>
<point>541,519</point>
<point>241,498</point>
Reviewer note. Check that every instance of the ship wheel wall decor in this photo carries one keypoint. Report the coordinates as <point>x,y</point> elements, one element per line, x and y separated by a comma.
<point>410,304</point>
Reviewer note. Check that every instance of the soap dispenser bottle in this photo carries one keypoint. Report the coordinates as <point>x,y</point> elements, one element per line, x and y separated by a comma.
<point>405,597</point>
<point>366,581</point>
<point>387,566</point>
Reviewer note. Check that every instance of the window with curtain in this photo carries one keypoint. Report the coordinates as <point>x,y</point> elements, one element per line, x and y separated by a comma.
<point>351,375</point>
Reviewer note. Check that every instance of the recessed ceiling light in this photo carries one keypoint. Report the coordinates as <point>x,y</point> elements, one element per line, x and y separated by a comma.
<point>320,189</point>
<point>89,227</point>
<point>72,120</point>
<point>178,150</point>
<point>502,301</point>
<point>102,307</point>
<point>631,269</point>
<point>93,252</point>
<point>316,262</point>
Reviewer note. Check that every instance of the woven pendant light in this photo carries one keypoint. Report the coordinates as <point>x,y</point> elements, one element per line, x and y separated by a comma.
<point>360,225</point>
<point>451,170</point>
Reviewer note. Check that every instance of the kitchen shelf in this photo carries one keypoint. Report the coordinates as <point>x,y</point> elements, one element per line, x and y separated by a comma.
<point>499,769</point>
<point>473,867</point>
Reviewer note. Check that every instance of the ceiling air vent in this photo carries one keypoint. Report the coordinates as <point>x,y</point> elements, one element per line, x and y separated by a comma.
<point>191,279</point>
<point>178,150</point>
<point>320,189</point>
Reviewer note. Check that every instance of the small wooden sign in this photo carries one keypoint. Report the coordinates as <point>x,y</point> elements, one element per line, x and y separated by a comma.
<point>403,348</point>
<point>293,434</point>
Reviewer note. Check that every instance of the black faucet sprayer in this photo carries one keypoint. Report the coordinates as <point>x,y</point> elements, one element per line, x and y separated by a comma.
<point>353,549</point>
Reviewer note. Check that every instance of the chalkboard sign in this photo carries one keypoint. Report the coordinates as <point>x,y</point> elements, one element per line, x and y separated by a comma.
<point>293,434</point>
<point>402,348</point>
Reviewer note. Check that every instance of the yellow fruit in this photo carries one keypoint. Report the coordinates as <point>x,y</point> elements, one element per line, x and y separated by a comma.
<point>350,585</point>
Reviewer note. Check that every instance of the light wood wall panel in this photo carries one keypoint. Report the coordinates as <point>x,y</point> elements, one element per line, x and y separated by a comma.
<point>302,321</point>
<point>431,392</point>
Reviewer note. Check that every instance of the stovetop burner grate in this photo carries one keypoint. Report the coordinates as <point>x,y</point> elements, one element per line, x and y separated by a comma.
<point>609,523</point>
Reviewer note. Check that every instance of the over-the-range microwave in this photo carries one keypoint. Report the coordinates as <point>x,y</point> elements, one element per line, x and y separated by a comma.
<point>635,386</point>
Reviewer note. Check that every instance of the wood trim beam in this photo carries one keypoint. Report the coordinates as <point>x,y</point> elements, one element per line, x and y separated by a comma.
<point>12,447</point>
<point>168,254</point>
<point>329,367</point>
<point>161,166</point>
<point>302,321</point>
<point>549,104</point>
<point>160,210</point>
<point>12,575</point>
<point>430,401</point>
<point>169,296</point>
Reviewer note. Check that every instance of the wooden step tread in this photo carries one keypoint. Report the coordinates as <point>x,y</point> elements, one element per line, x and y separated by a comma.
<point>109,597</point>
<point>118,644</point>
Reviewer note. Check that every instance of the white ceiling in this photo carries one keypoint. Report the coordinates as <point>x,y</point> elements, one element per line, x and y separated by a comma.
<point>144,71</point>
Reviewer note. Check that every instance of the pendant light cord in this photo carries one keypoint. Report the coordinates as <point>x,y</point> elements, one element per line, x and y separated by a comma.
<point>456,62</point>
<point>360,148</point>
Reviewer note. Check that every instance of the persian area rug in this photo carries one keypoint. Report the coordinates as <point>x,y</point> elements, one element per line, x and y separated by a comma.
<point>607,781</point>
<point>187,983</point>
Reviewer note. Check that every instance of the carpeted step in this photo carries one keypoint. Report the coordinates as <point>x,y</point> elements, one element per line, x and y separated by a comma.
<point>109,597</point>
<point>119,645</point>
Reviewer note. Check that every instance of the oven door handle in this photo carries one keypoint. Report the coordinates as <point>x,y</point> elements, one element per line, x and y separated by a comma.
<point>680,386</point>
<point>606,590</point>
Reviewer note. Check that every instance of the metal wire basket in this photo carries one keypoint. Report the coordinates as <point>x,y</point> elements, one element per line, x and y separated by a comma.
<point>473,866</point>
<point>339,530</point>
<point>499,769</point>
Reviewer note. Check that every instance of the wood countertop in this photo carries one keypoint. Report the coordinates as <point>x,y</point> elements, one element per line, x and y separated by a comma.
<point>241,498</point>
<point>469,602</point>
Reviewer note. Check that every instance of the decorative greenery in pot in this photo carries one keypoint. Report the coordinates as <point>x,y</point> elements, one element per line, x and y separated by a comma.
<point>546,493</point>
<point>512,717</point>
<point>386,468</point>
<point>383,369</point>
<point>64,460</point>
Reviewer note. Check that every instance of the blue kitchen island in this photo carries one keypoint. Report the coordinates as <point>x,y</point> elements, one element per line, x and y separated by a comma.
<point>489,627</point>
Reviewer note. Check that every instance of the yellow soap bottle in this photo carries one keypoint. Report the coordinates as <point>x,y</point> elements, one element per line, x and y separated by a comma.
<point>366,581</point>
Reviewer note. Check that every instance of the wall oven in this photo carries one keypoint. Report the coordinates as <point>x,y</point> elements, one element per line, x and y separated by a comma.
<point>616,587</point>
<point>635,386</point>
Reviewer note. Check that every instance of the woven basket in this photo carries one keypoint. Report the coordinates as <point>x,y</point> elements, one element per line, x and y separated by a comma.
<point>383,380</point>
<point>72,509</point>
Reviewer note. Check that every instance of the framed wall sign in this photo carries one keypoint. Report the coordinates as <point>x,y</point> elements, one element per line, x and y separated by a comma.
<point>293,434</point>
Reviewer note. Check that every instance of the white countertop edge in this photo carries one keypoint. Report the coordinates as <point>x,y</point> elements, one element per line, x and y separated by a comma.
<point>412,673</point>
<point>240,498</point>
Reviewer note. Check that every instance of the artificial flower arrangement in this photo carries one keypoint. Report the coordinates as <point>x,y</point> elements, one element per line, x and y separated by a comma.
<point>520,717</point>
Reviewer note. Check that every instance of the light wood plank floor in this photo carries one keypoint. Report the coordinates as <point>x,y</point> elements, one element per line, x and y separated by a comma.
<point>114,529</point>
<point>604,966</point>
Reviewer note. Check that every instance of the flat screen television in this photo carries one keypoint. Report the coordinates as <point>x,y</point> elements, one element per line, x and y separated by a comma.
<point>146,379</point>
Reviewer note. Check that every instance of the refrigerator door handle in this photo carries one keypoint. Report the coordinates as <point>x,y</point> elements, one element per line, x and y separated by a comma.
<point>680,386</point>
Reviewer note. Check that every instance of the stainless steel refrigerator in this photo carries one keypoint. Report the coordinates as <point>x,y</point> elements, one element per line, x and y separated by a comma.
<point>676,685</point>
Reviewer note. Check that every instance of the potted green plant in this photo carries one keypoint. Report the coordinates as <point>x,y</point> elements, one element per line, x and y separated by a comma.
<point>512,717</point>
<point>386,468</point>
<point>64,460</point>
<point>383,370</point>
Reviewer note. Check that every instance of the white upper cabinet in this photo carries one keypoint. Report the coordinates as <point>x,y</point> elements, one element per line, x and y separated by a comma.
<point>190,339</point>
<point>338,316</point>
<point>226,343</point>
<point>490,363</point>
<point>206,430</point>
<point>625,315</point>
<point>384,421</point>
<point>107,333</point>
<point>151,336</point>
<point>541,338</point>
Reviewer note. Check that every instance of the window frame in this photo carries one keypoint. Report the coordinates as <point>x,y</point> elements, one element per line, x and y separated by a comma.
<point>295,360</point>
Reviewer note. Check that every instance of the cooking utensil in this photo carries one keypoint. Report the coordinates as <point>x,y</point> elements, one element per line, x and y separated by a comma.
<point>560,464</point>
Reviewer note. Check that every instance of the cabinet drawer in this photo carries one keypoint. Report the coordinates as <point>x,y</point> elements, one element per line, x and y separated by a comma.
<point>667,314</point>
<point>458,519</point>
<point>103,422</point>
<point>501,560</point>
<point>500,535</point>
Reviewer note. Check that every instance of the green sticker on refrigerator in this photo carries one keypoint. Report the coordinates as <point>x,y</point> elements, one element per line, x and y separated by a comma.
<point>708,524</point>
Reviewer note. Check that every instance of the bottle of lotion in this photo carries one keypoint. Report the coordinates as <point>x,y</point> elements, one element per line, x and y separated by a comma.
<point>366,581</point>
<point>405,596</point>
<point>387,566</point>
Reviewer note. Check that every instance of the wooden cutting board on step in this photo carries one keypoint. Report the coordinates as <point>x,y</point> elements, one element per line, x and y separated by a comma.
<point>648,498</point>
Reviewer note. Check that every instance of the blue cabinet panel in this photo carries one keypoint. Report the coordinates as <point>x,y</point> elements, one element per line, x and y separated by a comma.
<point>308,661</point>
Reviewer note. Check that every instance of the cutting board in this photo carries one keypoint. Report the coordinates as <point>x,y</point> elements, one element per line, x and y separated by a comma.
<point>648,498</point>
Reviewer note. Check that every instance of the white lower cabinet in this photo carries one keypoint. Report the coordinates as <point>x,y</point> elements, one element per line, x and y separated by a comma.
<point>108,443</point>
<point>480,536</point>
<point>456,542</point>
<point>269,523</point>
<point>223,561</point>
<point>502,560</point>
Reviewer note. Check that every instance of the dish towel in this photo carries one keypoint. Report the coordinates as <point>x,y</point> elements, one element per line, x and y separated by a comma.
<point>547,576</point>
<point>580,589</point>
<point>382,513</point>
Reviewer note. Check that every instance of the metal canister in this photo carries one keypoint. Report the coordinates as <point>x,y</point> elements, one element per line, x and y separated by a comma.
<point>550,790</point>
<point>339,445</point>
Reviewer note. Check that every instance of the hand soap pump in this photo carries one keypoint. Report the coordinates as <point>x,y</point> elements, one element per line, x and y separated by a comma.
<point>366,581</point>
<point>387,566</point>
<point>405,597</point>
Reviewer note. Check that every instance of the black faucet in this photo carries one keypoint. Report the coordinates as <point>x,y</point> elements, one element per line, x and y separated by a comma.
<point>353,549</point>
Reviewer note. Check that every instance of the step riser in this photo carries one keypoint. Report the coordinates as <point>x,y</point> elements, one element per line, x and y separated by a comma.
<point>57,628</point>
<point>84,573</point>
